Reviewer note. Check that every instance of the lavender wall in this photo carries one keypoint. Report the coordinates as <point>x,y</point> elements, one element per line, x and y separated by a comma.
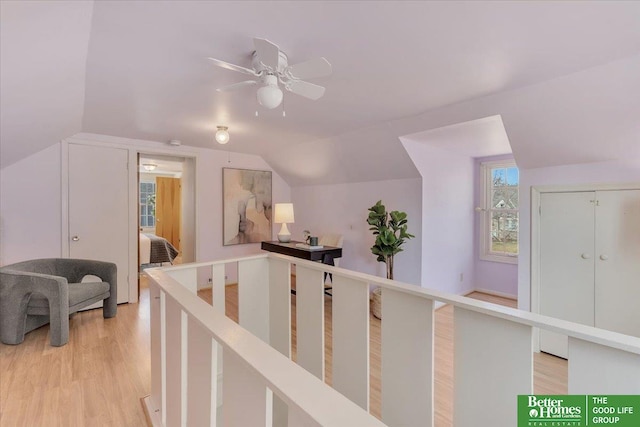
<point>625,171</point>
<point>496,277</point>
<point>342,208</point>
<point>30,207</point>
<point>447,217</point>
<point>30,201</point>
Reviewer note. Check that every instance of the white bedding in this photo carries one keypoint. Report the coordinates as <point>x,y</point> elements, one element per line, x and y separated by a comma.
<point>145,249</point>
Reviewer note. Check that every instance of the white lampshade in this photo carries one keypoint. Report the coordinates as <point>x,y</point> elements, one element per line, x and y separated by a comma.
<point>284,213</point>
<point>270,95</point>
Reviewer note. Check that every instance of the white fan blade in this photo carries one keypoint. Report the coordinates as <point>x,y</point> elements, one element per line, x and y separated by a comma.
<point>268,53</point>
<point>233,67</point>
<point>306,89</point>
<point>318,67</point>
<point>237,86</point>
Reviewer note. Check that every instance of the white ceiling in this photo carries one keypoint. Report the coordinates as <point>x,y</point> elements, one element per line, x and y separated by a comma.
<point>396,66</point>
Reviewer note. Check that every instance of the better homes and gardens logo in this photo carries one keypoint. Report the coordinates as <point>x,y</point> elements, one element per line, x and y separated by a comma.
<point>578,411</point>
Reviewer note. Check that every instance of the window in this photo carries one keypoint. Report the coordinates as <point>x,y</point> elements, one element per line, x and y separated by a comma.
<point>499,229</point>
<point>147,204</point>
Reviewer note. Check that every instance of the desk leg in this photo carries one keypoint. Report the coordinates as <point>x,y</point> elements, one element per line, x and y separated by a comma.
<point>328,260</point>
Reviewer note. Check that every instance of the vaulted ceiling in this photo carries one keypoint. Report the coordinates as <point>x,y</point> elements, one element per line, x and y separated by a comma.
<point>562,75</point>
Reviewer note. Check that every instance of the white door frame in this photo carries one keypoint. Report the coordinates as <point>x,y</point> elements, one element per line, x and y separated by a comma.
<point>134,149</point>
<point>536,191</point>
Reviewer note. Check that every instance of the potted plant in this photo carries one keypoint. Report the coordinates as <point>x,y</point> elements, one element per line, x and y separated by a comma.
<point>390,231</point>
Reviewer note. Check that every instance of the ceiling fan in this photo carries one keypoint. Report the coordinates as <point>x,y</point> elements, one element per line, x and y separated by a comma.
<point>271,69</point>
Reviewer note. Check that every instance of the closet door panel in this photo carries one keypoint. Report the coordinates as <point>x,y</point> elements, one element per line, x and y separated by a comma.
<point>617,284</point>
<point>99,209</point>
<point>566,263</point>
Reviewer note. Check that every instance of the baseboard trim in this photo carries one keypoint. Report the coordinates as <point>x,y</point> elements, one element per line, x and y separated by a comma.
<point>494,293</point>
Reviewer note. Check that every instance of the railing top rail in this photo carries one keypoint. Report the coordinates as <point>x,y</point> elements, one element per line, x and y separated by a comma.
<point>288,380</point>
<point>576,330</point>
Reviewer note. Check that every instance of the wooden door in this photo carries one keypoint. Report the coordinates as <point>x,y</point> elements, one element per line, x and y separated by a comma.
<point>617,259</point>
<point>99,208</point>
<point>566,263</point>
<point>168,209</point>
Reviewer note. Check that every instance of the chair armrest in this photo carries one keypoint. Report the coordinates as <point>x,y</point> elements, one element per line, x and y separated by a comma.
<point>17,286</point>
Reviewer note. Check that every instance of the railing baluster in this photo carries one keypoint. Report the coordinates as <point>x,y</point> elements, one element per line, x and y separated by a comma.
<point>280,306</point>
<point>173,375</point>
<point>253,296</point>
<point>596,369</point>
<point>155,401</point>
<point>202,376</point>
<point>244,394</point>
<point>310,320</point>
<point>350,330</point>
<point>280,322</point>
<point>407,359</point>
<point>493,358</point>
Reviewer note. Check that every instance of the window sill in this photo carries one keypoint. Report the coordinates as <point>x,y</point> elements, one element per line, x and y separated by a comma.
<point>505,259</point>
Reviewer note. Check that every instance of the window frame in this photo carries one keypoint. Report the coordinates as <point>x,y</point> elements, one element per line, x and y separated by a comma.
<point>486,186</point>
<point>140,205</point>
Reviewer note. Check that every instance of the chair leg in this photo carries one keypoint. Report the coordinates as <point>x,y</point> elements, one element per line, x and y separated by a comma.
<point>58,325</point>
<point>109,307</point>
<point>12,328</point>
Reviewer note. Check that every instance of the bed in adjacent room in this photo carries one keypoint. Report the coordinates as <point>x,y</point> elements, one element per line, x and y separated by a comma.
<point>156,250</point>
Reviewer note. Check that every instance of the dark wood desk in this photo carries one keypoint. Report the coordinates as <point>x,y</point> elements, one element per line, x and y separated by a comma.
<point>326,255</point>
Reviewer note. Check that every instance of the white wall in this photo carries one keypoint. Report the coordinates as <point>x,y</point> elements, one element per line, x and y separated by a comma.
<point>497,277</point>
<point>31,199</point>
<point>447,217</point>
<point>626,171</point>
<point>30,207</point>
<point>343,208</point>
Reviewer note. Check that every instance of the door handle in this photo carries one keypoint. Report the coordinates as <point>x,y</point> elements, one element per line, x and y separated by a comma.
<point>585,256</point>
<point>604,257</point>
<point>75,238</point>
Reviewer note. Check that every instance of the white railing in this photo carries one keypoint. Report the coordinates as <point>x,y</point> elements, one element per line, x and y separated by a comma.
<point>493,358</point>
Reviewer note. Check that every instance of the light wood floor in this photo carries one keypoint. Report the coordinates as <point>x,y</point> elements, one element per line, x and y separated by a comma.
<point>98,378</point>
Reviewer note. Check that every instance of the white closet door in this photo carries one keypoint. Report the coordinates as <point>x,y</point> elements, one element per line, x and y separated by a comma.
<point>99,208</point>
<point>566,263</point>
<point>617,289</point>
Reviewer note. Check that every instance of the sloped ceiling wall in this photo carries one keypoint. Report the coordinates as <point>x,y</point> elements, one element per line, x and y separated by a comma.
<point>43,56</point>
<point>435,64</point>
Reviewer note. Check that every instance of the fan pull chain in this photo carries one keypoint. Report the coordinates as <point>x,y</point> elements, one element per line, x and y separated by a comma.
<point>284,113</point>
<point>256,113</point>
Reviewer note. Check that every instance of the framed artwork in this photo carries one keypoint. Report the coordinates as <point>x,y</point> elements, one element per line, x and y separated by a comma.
<point>246,206</point>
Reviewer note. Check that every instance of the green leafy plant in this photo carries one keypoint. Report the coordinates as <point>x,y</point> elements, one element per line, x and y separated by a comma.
<point>390,231</point>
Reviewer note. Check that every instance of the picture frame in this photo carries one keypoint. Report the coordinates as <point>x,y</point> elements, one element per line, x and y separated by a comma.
<point>246,206</point>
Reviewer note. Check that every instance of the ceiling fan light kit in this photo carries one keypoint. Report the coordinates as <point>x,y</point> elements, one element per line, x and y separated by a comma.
<point>270,95</point>
<point>271,70</point>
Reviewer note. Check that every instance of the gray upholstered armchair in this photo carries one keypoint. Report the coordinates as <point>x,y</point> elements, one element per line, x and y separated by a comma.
<point>34,293</point>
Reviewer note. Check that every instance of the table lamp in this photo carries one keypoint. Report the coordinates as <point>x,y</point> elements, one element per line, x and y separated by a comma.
<point>284,214</point>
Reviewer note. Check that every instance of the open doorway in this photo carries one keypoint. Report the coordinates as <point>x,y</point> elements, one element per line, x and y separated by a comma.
<point>166,210</point>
